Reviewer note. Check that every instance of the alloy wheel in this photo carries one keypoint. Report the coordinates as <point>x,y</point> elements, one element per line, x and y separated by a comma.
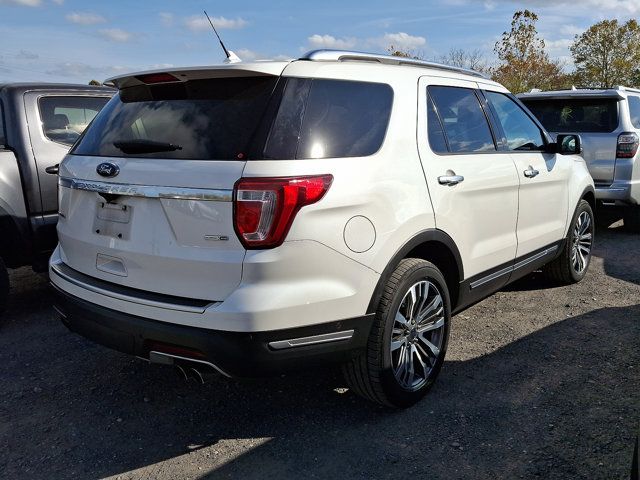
<point>417,335</point>
<point>582,242</point>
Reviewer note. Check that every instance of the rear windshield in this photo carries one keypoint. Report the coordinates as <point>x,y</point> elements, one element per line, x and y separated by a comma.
<point>576,115</point>
<point>242,118</point>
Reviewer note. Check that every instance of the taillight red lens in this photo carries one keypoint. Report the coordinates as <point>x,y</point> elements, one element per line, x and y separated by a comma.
<point>264,208</point>
<point>627,145</point>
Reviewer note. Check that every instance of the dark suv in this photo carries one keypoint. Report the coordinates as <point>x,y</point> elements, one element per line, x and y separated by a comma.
<point>38,124</point>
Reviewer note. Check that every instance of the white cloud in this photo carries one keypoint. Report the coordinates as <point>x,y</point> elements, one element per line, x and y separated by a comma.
<point>160,66</point>
<point>24,3</point>
<point>400,40</point>
<point>58,2</point>
<point>247,55</point>
<point>598,7</point>
<point>116,35</point>
<point>560,44</point>
<point>198,23</point>
<point>571,30</point>
<point>85,18</point>
<point>166,18</point>
<point>328,41</point>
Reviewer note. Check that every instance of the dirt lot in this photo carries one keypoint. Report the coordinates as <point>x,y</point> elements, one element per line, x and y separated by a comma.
<point>539,382</point>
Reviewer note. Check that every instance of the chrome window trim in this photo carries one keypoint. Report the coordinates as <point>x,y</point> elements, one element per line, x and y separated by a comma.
<point>147,191</point>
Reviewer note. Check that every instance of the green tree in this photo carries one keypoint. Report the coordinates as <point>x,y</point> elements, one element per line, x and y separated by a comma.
<point>608,54</point>
<point>95,82</point>
<point>524,63</point>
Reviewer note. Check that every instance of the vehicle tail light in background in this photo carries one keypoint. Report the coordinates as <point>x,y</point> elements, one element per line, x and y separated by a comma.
<point>152,78</point>
<point>264,208</point>
<point>627,145</point>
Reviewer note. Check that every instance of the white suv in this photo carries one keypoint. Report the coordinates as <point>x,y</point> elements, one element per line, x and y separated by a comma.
<point>254,217</point>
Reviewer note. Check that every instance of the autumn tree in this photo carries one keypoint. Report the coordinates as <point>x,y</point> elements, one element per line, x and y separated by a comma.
<point>95,83</point>
<point>608,54</point>
<point>524,63</point>
<point>404,53</point>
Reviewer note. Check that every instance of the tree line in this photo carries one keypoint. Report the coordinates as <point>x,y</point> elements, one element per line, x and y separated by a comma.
<point>607,54</point>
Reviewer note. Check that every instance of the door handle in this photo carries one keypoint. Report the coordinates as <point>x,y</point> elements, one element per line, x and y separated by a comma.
<point>450,178</point>
<point>531,172</point>
<point>53,170</point>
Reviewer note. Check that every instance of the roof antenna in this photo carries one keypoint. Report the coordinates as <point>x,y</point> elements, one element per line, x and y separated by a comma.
<point>231,57</point>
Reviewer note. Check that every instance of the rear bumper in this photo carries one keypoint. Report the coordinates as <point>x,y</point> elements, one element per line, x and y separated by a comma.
<point>233,353</point>
<point>620,193</point>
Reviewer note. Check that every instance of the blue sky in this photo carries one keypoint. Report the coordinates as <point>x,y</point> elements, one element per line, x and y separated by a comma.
<point>75,41</point>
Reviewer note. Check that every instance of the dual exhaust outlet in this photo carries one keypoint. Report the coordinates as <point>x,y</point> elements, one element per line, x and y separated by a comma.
<point>187,368</point>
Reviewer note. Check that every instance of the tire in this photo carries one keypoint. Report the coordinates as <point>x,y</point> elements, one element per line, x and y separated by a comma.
<point>632,219</point>
<point>379,374</point>
<point>567,268</point>
<point>4,286</point>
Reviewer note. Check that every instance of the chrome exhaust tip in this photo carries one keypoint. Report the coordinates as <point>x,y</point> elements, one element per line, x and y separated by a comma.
<point>187,367</point>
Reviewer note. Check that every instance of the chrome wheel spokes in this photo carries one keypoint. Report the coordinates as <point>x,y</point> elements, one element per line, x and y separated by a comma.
<point>417,335</point>
<point>582,242</point>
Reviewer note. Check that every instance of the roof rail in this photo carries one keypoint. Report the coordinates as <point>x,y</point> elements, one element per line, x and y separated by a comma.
<point>346,55</point>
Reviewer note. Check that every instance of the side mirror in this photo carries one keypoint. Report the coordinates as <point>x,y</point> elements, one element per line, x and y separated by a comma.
<point>53,170</point>
<point>569,144</point>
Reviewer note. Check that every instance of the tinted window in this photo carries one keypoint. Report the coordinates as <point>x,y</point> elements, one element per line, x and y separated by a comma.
<point>522,133</point>
<point>465,124</point>
<point>436,133</point>
<point>65,118</point>
<point>576,115</point>
<point>330,118</point>
<point>634,110</point>
<point>201,119</point>
<point>3,138</point>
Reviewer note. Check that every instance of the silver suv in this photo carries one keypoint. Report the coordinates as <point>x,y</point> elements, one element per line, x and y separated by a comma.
<point>608,122</point>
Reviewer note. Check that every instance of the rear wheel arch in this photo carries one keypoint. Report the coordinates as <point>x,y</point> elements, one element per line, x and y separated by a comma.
<point>436,247</point>
<point>590,196</point>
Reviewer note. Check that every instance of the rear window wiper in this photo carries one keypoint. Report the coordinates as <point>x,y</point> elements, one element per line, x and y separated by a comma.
<point>145,146</point>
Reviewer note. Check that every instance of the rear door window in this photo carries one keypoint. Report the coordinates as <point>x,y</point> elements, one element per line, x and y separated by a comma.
<point>521,131</point>
<point>634,110</point>
<point>323,118</point>
<point>64,118</point>
<point>464,122</point>
<point>588,115</point>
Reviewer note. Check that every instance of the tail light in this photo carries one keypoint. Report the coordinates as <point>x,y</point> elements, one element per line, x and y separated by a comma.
<point>264,208</point>
<point>627,145</point>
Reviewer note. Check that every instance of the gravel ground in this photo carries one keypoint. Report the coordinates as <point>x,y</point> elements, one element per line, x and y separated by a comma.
<point>539,382</point>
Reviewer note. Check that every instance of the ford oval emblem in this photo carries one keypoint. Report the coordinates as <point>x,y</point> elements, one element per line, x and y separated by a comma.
<point>108,169</point>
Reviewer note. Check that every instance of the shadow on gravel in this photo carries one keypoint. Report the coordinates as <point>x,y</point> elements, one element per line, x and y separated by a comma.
<point>618,249</point>
<point>69,409</point>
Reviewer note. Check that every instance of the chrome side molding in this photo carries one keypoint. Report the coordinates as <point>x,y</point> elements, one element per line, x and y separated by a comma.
<point>513,268</point>
<point>312,340</point>
<point>147,191</point>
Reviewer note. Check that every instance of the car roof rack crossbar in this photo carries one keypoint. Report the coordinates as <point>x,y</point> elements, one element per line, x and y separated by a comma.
<point>327,55</point>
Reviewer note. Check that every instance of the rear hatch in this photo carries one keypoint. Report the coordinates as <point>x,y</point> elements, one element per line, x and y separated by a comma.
<point>594,118</point>
<point>146,193</point>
